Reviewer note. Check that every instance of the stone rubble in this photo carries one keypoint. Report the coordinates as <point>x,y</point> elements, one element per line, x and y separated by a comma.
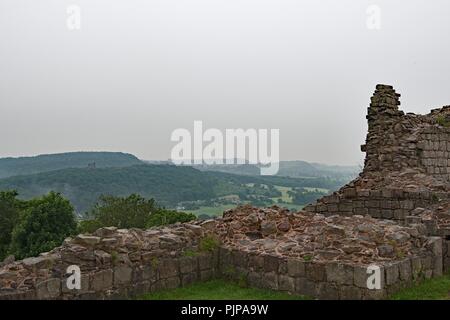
<point>357,239</point>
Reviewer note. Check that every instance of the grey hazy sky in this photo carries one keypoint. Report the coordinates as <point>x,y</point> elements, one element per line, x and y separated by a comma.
<point>138,69</point>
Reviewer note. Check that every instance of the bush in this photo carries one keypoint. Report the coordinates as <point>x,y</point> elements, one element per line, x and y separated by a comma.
<point>164,217</point>
<point>442,121</point>
<point>44,224</point>
<point>133,211</point>
<point>208,244</point>
<point>88,226</point>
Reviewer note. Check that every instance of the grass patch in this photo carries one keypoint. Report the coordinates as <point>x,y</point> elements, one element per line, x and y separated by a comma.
<point>431,289</point>
<point>219,290</point>
<point>442,121</point>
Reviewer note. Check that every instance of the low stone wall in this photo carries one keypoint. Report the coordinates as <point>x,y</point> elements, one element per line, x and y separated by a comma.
<point>329,280</point>
<point>113,264</point>
<point>299,253</point>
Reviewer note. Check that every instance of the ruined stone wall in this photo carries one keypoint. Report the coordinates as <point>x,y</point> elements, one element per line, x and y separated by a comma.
<point>396,141</point>
<point>406,175</point>
<point>328,280</point>
<point>298,253</point>
<point>407,164</point>
<point>114,264</point>
<point>386,203</point>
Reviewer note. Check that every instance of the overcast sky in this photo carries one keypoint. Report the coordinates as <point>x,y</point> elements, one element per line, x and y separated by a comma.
<point>137,70</point>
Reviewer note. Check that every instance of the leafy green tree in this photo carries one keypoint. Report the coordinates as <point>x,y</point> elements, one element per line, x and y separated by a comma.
<point>123,212</point>
<point>9,216</point>
<point>43,225</point>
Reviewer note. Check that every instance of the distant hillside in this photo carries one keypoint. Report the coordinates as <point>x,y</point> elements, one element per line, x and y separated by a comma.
<point>295,169</point>
<point>168,184</point>
<point>42,163</point>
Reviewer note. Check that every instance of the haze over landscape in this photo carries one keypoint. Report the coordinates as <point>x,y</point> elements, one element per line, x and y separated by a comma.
<point>136,71</point>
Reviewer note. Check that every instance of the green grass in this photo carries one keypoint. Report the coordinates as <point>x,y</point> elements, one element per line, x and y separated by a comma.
<point>431,289</point>
<point>219,290</point>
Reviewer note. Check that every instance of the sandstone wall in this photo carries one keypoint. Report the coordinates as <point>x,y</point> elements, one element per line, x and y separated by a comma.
<point>328,280</point>
<point>114,264</point>
<point>406,175</point>
<point>299,253</point>
<point>396,141</point>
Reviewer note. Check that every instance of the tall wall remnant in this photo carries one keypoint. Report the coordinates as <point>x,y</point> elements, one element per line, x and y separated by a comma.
<point>396,141</point>
<point>406,175</point>
<point>395,216</point>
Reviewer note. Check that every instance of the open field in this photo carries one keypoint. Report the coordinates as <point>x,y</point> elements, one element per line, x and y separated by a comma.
<point>285,197</point>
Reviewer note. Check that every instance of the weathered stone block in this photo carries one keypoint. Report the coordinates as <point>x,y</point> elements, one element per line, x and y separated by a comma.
<point>286,283</point>
<point>391,273</point>
<point>315,271</point>
<point>139,288</point>
<point>435,245</point>
<point>256,262</point>
<point>339,273</point>
<point>282,266</point>
<point>149,273</point>
<point>296,268</point>
<point>374,294</point>
<point>240,259</point>
<point>188,264</point>
<point>188,278</point>
<point>48,289</point>
<point>350,293</point>
<point>405,270</point>
<point>168,268</point>
<point>305,287</point>
<point>269,280</point>
<point>327,291</point>
<point>254,279</point>
<point>270,263</point>
<point>172,282</point>
<point>102,280</point>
